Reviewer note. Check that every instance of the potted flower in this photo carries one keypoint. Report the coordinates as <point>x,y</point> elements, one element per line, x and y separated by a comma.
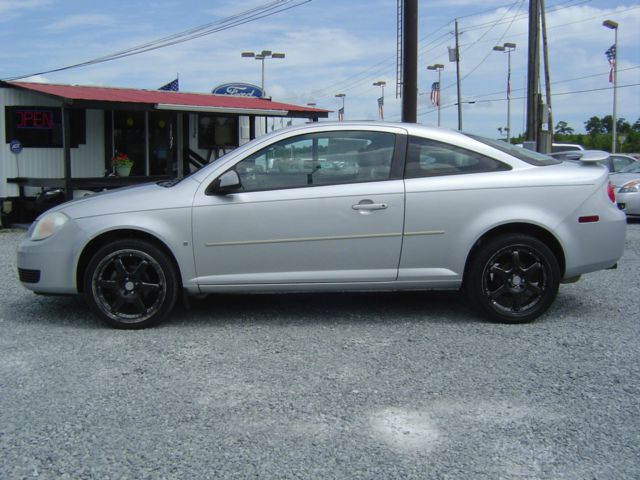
<point>122,164</point>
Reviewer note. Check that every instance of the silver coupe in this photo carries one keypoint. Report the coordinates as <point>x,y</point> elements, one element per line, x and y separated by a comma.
<point>336,207</point>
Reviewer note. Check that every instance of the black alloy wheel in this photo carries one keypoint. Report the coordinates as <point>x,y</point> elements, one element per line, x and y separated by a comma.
<point>131,284</point>
<point>513,278</point>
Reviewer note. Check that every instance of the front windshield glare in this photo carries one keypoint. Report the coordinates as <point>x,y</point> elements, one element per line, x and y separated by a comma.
<point>529,156</point>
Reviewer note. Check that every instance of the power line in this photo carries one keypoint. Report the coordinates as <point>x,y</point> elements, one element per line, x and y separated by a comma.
<point>253,14</point>
<point>450,105</point>
<point>364,76</point>
<point>556,82</point>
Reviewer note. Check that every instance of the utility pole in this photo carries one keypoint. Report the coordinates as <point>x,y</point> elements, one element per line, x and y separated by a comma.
<point>458,79</point>
<point>547,81</point>
<point>410,62</point>
<point>533,70</point>
<point>613,53</point>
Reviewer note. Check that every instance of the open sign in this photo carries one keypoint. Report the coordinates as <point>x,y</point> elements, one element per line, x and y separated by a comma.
<point>34,119</point>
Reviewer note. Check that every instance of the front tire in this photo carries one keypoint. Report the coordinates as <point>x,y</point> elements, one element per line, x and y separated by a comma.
<point>131,284</point>
<point>512,278</point>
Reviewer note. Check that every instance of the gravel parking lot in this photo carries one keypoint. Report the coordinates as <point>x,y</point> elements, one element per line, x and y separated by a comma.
<point>344,386</point>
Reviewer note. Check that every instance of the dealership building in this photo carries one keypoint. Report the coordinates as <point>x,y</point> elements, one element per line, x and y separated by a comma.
<point>64,137</point>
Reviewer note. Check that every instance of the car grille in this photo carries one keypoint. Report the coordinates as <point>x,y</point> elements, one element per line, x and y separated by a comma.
<point>29,276</point>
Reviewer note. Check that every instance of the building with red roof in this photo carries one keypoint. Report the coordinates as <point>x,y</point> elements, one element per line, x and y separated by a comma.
<point>65,136</point>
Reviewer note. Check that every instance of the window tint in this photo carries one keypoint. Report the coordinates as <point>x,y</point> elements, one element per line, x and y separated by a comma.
<point>428,158</point>
<point>319,159</point>
<point>529,156</point>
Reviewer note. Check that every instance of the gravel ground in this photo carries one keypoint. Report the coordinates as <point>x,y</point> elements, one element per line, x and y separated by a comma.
<point>344,386</point>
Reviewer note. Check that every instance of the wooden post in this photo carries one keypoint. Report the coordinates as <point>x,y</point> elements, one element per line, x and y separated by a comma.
<point>533,67</point>
<point>410,67</point>
<point>66,147</point>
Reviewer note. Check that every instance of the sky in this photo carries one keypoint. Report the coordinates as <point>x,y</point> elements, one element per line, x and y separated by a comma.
<point>338,46</point>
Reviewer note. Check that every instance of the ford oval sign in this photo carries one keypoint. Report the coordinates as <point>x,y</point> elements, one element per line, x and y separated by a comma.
<point>238,90</point>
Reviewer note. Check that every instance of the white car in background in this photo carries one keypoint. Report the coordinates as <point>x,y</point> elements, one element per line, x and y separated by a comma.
<point>615,162</point>
<point>565,147</point>
<point>627,187</point>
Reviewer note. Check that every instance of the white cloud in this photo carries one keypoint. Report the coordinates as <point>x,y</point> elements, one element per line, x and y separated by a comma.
<point>82,21</point>
<point>334,46</point>
<point>36,79</point>
<point>9,9</point>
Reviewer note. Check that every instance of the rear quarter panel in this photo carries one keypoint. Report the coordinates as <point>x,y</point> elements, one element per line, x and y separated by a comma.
<point>445,216</point>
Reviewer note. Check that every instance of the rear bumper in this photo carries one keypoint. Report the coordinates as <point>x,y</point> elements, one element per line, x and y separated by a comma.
<point>596,246</point>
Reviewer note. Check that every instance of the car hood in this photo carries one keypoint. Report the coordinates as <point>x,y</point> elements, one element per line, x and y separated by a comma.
<point>619,179</point>
<point>150,196</point>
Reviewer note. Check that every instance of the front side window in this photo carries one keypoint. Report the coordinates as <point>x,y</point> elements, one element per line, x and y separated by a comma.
<point>319,159</point>
<point>428,158</point>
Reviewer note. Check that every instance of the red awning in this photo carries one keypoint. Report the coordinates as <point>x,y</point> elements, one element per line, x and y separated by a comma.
<point>167,100</point>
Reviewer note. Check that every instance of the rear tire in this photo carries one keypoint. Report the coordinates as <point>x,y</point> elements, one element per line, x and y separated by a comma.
<point>131,284</point>
<point>512,279</point>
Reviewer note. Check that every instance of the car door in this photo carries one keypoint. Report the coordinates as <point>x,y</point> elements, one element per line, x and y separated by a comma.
<point>313,209</point>
<point>446,192</point>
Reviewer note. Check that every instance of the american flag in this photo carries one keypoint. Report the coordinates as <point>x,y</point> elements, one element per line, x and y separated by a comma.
<point>381,107</point>
<point>611,57</point>
<point>172,86</point>
<point>435,94</point>
<point>341,114</point>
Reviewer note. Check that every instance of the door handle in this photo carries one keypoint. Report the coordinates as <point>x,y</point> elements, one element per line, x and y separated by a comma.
<point>368,206</point>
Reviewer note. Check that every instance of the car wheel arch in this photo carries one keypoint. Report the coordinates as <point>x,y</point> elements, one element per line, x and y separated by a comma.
<point>106,237</point>
<point>534,231</point>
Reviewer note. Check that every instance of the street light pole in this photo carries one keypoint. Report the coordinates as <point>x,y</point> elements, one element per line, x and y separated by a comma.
<point>341,111</point>
<point>458,79</point>
<point>381,84</point>
<point>438,67</point>
<point>614,131</point>
<point>264,54</point>
<point>508,48</point>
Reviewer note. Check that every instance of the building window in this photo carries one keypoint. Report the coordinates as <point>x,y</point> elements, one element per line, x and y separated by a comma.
<point>216,131</point>
<point>41,127</point>
<point>129,137</point>
<point>163,138</point>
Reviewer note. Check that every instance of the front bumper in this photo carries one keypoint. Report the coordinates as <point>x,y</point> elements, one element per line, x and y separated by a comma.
<point>49,265</point>
<point>629,203</point>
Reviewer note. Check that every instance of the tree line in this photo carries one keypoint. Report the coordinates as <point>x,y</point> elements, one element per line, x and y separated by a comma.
<point>598,136</point>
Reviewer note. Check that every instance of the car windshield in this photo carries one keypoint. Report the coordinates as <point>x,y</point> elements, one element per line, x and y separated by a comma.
<point>631,168</point>
<point>526,155</point>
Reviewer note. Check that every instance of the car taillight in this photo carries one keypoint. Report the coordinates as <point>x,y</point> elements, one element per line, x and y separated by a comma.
<point>611,192</point>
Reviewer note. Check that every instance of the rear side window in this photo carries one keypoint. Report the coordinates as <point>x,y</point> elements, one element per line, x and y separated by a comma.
<point>428,158</point>
<point>529,156</point>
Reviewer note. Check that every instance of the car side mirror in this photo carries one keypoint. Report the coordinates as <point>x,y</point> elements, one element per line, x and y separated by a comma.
<point>228,182</point>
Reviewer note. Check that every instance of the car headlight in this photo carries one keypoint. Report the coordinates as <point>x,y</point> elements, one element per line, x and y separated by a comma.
<point>48,225</point>
<point>630,187</point>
